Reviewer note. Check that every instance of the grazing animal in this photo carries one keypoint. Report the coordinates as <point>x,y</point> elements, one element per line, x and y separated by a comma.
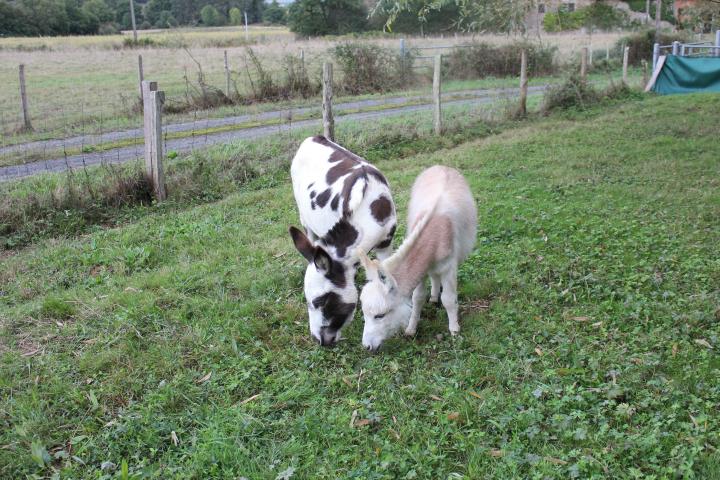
<point>442,223</point>
<point>344,204</point>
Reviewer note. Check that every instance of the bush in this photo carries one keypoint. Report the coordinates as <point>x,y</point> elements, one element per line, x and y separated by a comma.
<point>483,60</point>
<point>370,68</point>
<point>641,44</point>
<point>573,93</point>
<point>128,42</point>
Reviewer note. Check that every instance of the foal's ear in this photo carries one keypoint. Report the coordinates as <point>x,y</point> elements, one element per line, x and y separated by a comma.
<point>303,244</point>
<point>370,266</point>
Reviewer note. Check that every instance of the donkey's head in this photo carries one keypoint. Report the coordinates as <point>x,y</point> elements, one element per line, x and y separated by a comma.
<point>329,290</point>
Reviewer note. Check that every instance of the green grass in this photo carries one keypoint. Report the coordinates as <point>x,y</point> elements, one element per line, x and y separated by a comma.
<point>179,343</point>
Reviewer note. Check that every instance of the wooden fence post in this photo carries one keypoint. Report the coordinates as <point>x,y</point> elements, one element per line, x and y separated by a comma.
<point>437,113</point>
<point>152,109</point>
<point>522,110</point>
<point>644,72</point>
<point>302,61</point>
<point>607,53</point>
<point>227,76</point>
<point>141,77</point>
<point>626,56</point>
<point>583,63</point>
<point>658,13</point>
<point>328,120</point>
<point>27,126</point>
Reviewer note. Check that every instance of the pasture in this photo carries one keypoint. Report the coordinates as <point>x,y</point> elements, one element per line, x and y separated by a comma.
<point>80,85</point>
<point>175,345</point>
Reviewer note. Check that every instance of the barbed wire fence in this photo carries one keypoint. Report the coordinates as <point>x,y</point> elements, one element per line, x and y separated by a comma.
<point>86,125</point>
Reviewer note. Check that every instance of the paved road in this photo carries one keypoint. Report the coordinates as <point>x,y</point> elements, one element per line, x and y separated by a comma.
<point>186,144</point>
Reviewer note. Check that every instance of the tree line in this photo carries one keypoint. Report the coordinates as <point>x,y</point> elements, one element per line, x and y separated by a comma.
<point>88,17</point>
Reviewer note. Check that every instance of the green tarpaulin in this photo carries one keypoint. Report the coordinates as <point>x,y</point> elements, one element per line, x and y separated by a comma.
<point>687,75</point>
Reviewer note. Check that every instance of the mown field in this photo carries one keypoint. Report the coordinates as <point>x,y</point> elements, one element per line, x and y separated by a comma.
<point>177,344</point>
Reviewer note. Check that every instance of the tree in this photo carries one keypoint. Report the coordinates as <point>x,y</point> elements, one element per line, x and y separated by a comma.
<point>211,17</point>
<point>326,17</point>
<point>154,8</point>
<point>99,9</point>
<point>166,20</point>
<point>236,16</point>
<point>503,16</point>
<point>274,14</point>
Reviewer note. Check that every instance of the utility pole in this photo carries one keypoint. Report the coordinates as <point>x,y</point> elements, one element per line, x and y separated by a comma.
<point>132,17</point>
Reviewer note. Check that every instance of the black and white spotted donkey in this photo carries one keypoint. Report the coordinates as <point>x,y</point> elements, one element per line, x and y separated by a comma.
<point>345,205</point>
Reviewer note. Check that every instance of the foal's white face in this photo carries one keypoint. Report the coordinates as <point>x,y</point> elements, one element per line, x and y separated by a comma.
<point>385,310</point>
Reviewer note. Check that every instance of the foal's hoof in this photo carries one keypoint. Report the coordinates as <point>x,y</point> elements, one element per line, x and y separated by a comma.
<point>410,333</point>
<point>433,299</point>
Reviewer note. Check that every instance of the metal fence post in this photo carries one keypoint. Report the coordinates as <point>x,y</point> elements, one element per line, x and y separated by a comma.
<point>27,126</point>
<point>656,55</point>
<point>402,48</point>
<point>522,109</point>
<point>682,50</point>
<point>152,112</point>
<point>583,63</point>
<point>675,47</point>
<point>437,114</point>
<point>717,43</point>
<point>626,57</point>
<point>328,120</point>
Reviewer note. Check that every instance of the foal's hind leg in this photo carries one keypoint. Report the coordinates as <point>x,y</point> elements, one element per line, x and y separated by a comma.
<point>435,285</point>
<point>449,298</point>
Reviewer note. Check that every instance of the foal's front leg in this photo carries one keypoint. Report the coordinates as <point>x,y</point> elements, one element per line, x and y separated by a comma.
<point>418,299</point>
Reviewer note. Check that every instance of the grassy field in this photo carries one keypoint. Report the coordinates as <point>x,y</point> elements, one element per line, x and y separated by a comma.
<point>178,345</point>
<point>81,84</point>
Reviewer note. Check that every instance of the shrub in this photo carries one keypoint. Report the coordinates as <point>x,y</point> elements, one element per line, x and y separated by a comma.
<point>641,44</point>
<point>483,60</point>
<point>370,68</point>
<point>573,93</point>
<point>139,43</point>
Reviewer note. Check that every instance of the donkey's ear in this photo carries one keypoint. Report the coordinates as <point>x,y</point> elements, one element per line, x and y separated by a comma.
<point>322,260</point>
<point>370,266</point>
<point>303,244</point>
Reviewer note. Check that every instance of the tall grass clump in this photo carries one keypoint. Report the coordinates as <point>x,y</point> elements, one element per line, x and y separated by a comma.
<point>481,60</point>
<point>574,93</point>
<point>371,68</point>
<point>70,205</point>
<point>577,94</point>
